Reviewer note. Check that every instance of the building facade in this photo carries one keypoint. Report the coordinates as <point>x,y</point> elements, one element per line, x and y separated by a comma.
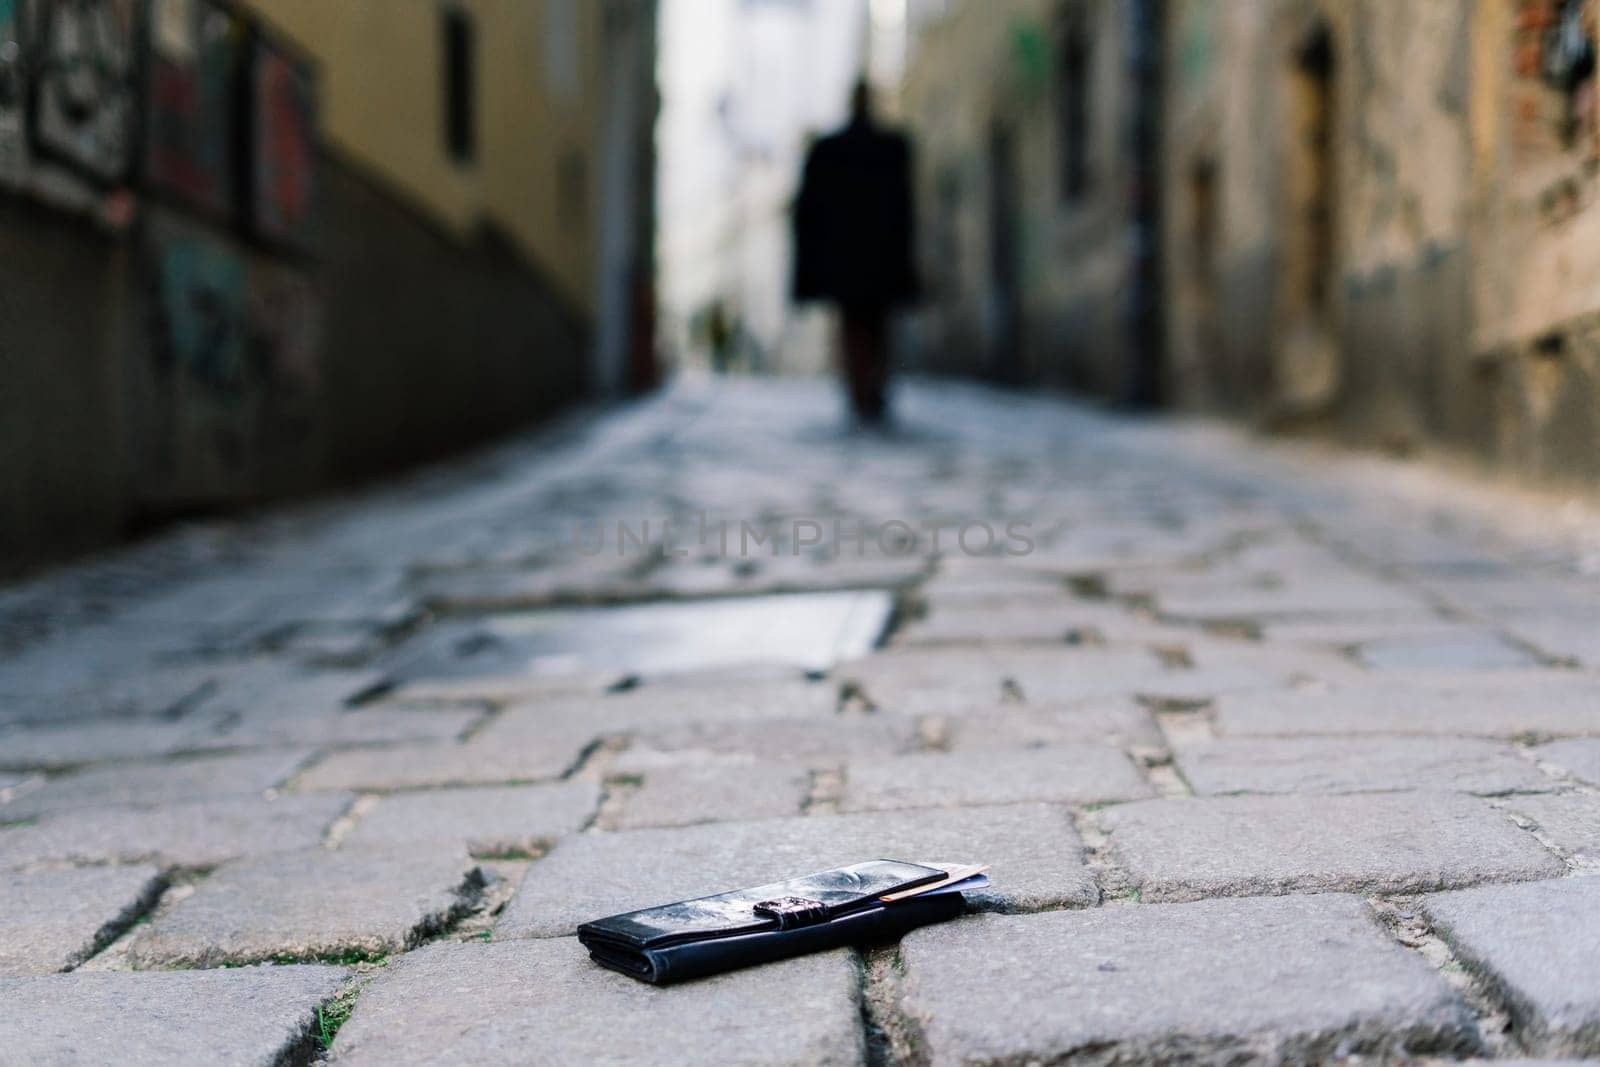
<point>1369,218</point>
<point>253,249</point>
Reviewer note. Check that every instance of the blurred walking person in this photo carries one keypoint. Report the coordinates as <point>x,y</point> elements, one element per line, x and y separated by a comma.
<point>853,225</point>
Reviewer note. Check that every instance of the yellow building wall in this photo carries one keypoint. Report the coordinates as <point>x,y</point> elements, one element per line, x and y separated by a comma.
<point>383,105</point>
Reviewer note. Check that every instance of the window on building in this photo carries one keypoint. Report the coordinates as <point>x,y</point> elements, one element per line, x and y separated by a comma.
<point>460,84</point>
<point>1072,101</point>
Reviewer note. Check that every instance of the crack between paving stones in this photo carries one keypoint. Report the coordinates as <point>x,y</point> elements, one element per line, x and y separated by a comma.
<point>1113,885</point>
<point>1573,864</point>
<point>1404,922</point>
<point>329,1017</point>
<point>891,1037</point>
<point>140,911</point>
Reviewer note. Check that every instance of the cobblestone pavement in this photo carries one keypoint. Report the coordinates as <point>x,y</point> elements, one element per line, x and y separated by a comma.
<point>1275,754</point>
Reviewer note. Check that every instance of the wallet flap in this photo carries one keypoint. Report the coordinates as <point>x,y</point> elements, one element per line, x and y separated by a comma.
<point>780,905</point>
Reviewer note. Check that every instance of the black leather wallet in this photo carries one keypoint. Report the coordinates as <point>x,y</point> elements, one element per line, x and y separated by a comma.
<point>844,906</point>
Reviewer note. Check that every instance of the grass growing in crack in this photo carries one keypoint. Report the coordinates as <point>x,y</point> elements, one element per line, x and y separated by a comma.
<point>333,1015</point>
<point>350,958</point>
<point>336,1012</point>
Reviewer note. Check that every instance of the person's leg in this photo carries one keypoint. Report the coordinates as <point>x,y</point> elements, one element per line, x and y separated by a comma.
<point>856,330</point>
<point>866,360</point>
<point>875,373</point>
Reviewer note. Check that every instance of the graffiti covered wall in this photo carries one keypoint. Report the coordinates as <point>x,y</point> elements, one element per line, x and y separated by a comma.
<point>195,51</point>
<point>82,67</point>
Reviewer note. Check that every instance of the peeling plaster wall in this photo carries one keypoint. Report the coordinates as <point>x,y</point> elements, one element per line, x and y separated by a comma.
<point>1466,243</point>
<point>1381,219</point>
<point>997,63</point>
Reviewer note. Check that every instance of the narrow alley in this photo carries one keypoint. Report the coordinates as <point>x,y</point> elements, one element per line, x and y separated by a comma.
<point>1273,752</point>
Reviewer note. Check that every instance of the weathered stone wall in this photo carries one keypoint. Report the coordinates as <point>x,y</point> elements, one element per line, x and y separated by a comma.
<point>985,101</point>
<point>1457,176</point>
<point>1378,218</point>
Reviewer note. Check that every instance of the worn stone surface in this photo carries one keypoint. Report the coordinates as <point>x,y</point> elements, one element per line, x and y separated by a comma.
<point>489,821</point>
<point>14,784</point>
<point>1488,704</point>
<point>476,762</point>
<point>73,743</point>
<point>197,834</point>
<point>55,683</point>
<point>1579,758</point>
<point>1035,856</point>
<point>934,681</point>
<point>545,1000</point>
<point>1078,774</point>
<point>375,724</point>
<point>654,705</point>
<point>922,681</point>
<point>1357,765</point>
<point>163,782</point>
<point>1218,595</point>
<point>1121,723</point>
<point>1536,946</point>
<point>1454,651</point>
<point>685,794</point>
<point>53,920</point>
<point>311,905</point>
<point>812,740</point>
<point>1009,622</point>
<point>1382,842</point>
<point>1346,594</point>
<point>247,1016</point>
<point>1295,979</point>
<point>1571,823</point>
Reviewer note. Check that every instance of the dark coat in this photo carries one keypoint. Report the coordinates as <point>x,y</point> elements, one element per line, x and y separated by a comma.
<point>853,220</point>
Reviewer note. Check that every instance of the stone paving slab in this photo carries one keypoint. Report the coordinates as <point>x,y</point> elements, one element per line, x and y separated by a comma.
<point>1345,632</point>
<point>1358,765</point>
<point>377,724</point>
<point>1068,774</point>
<point>1455,651</point>
<point>1035,856</point>
<point>1478,704</point>
<point>163,782</point>
<point>53,920</point>
<point>1047,676</point>
<point>811,740</point>
<point>514,688</point>
<point>1348,594</point>
<point>1571,634</point>
<point>50,687</point>
<point>1012,622</point>
<point>654,705</point>
<point>923,681</point>
<point>270,690</point>
<point>311,905</point>
<point>1571,823</point>
<point>249,1016</point>
<point>1177,850</point>
<point>723,791</point>
<point>196,834</point>
<point>1536,946</point>
<point>953,681</point>
<point>1288,979</point>
<point>545,1001</point>
<point>476,762</point>
<point>14,784</point>
<point>1124,724</point>
<point>94,741</point>
<point>490,821</point>
<point>1579,758</point>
